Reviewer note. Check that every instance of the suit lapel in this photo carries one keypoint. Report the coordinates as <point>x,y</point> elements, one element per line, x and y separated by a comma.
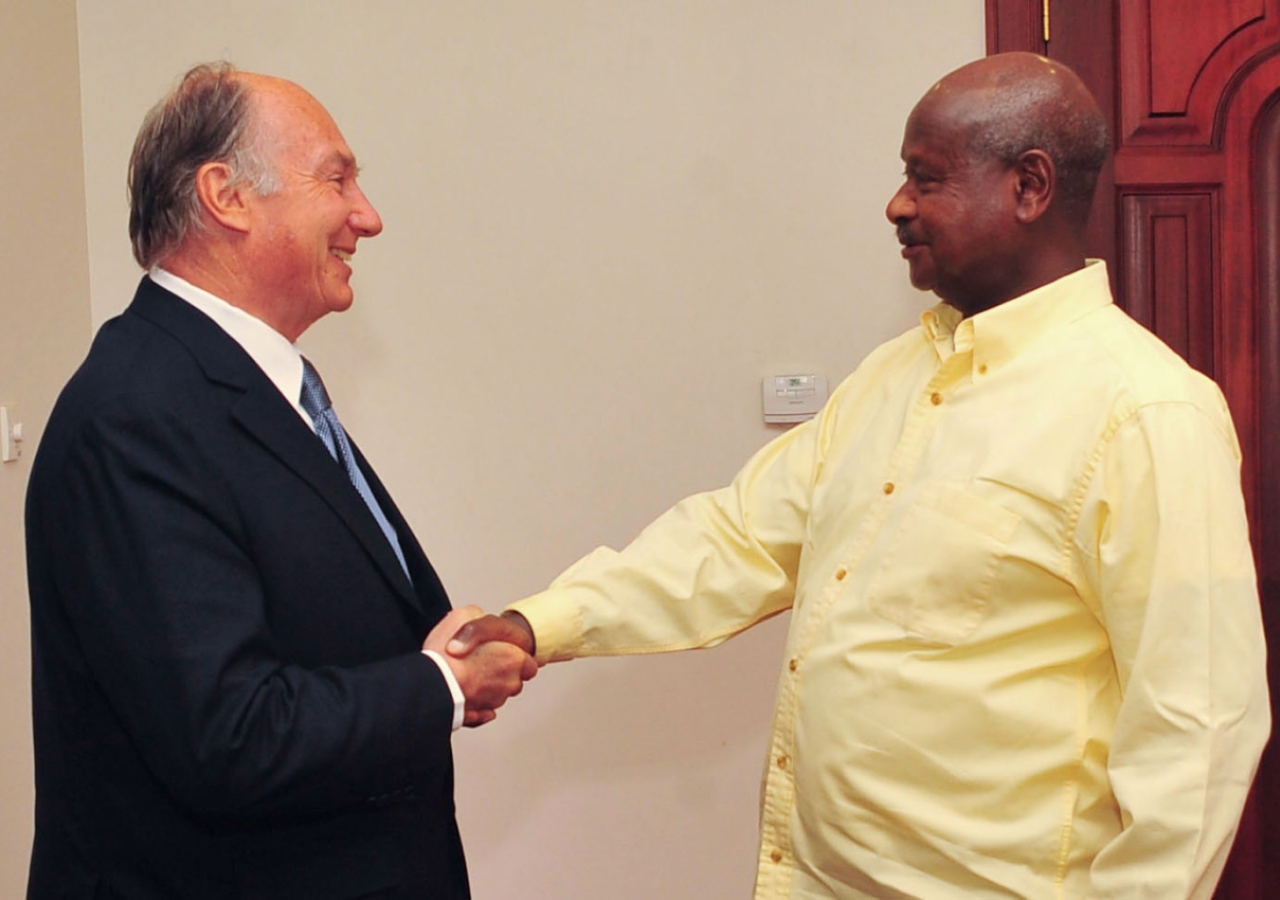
<point>264,414</point>
<point>426,583</point>
<point>269,419</point>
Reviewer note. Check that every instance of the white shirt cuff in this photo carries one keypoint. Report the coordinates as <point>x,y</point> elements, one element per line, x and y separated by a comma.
<point>459,701</point>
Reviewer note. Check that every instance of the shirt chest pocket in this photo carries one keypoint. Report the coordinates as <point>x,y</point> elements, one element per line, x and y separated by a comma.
<point>936,578</point>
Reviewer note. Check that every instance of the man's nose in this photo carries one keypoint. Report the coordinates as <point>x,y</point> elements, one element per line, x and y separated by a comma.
<point>364,219</point>
<point>900,207</point>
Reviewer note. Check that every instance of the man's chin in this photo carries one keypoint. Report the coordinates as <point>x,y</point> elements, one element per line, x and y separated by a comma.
<point>340,300</point>
<point>922,281</point>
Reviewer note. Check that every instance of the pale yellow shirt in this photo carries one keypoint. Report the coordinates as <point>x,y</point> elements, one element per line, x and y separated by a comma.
<point>1025,657</point>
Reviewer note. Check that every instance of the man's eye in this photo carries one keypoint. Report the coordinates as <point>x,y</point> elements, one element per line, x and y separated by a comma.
<point>919,178</point>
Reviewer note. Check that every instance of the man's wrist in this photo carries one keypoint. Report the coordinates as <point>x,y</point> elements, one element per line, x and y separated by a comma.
<point>455,689</point>
<point>518,619</point>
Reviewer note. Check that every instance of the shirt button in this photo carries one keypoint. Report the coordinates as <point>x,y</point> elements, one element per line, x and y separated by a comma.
<point>841,573</point>
<point>935,398</point>
<point>982,369</point>
<point>776,856</point>
<point>793,665</point>
<point>782,761</point>
<point>888,487</point>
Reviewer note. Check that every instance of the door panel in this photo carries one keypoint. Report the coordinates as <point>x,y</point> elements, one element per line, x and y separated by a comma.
<point>1168,270</point>
<point>1178,59</point>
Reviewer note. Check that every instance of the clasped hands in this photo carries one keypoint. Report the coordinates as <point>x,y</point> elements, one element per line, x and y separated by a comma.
<point>491,657</point>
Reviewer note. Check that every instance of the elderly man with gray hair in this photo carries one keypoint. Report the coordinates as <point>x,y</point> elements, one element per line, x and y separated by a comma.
<point>239,683</point>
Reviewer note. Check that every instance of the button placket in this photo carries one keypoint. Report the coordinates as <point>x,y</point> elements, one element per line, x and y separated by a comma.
<point>779,806</point>
<point>916,430</point>
<point>776,848</point>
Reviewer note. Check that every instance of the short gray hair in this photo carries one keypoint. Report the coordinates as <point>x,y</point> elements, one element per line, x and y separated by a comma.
<point>1021,114</point>
<point>207,118</point>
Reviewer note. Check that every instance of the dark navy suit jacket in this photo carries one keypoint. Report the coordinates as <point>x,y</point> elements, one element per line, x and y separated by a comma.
<point>229,698</point>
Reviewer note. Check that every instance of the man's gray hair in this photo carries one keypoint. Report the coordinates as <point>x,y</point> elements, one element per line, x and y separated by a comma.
<point>207,118</point>
<point>1021,114</point>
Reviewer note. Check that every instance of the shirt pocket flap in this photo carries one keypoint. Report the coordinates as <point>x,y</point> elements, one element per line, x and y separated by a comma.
<point>936,578</point>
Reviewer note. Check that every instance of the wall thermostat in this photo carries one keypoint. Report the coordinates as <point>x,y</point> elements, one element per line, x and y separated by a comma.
<point>792,398</point>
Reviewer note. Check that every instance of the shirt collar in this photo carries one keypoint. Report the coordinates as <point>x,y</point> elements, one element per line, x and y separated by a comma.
<point>279,359</point>
<point>998,335</point>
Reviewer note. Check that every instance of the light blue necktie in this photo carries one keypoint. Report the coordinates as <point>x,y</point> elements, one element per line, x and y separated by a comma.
<point>315,400</point>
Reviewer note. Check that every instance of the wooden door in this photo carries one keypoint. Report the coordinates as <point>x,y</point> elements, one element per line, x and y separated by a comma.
<point>1188,219</point>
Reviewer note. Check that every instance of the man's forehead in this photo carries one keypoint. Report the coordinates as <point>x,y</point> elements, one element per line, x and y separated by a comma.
<point>948,118</point>
<point>303,130</point>
<point>929,135</point>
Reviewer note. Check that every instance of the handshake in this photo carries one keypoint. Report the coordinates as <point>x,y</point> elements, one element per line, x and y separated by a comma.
<point>490,656</point>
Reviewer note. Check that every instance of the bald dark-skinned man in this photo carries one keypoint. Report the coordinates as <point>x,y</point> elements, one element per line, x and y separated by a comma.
<point>1025,658</point>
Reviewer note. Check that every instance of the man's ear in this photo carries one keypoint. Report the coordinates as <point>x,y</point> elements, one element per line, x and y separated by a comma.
<point>224,203</point>
<point>1036,185</point>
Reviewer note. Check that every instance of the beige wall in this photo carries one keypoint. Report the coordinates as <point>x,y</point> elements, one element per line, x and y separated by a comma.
<point>604,224</point>
<point>44,324</point>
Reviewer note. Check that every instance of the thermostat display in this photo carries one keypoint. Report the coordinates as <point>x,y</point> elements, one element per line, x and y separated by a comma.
<point>793,398</point>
